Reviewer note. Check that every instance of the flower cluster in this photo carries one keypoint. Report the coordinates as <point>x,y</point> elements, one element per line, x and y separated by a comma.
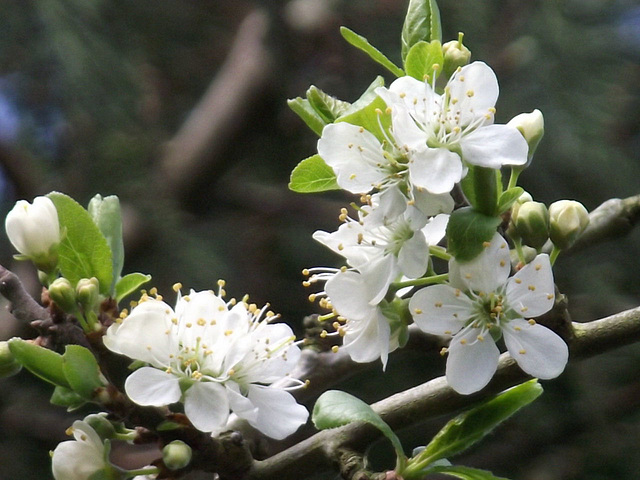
<point>213,356</point>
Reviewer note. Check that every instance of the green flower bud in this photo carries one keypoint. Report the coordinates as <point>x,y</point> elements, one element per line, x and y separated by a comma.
<point>515,208</point>
<point>88,292</point>
<point>532,224</point>
<point>531,126</point>
<point>568,219</point>
<point>63,294</point>
<point>455,55</point>
<point>176,455</point>
<point>9,366</point>
<point>103,427</point>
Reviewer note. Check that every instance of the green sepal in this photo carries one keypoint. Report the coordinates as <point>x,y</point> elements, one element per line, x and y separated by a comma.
<point>467,231</point>
<point>464,473</point>
<point>376,55</point>
<point>422,23</point>
<point>508,197</point>
<point>65,397</point>
<point>364,111</point>
<point>42,362</point>
<point>167,426</point>
<point>84,251</point>
<point>421,59</point>
<point>82,371</point>
<point>399,317</point>
<point>335,408</point>
<point>107,215</point>
<point>328,107</point>
<point>129,284</point>
<point>302,107</point>
<point>471,426</point>
<point>313,175</point>
<point>482,186</point>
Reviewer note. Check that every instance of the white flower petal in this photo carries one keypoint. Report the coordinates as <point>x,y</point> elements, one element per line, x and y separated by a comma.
<point>440,309</point>
<point>207,406</point>
<point>485,273</point>
<point>143,334</point>
<point>538,350</point>
<point>473,359</point>
<point>530,292</point>
<point>475,89</point>
<point>355,155</point>
<point>76,460</point>
<point>406,132</point>
<point>367,340</point>
<point>413,257</point>
<point>435,230</point>
<point>349,295</point>
<point>279,415</point>
<point>150,386</point>
<point>377,275</point>
<point>435,169</point>
<point>241,405</point>
<point>432,204</point>
<point>416,96</point>
<point>493,146</point>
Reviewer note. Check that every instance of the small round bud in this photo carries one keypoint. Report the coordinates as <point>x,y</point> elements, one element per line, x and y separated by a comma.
<point>531,126</point>
<point>63,294</point>
<point>176,455</point>
<point>455,55</point>
<point>567,221</point>
<point>532,224</point>
<point>515,208</point>
<point>103,427</point>
<point>9,366</point>
<point>87,291</point>
<point>34,230</point>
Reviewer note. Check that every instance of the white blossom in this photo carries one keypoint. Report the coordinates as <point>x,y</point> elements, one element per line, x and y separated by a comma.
<point>437,132</point>
<point>215,358</point>
<point>481,304</point>
<point>33,229</point>
<point>81,458</point>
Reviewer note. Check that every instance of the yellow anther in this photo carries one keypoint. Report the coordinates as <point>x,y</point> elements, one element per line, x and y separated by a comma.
<point>447,332</point>
<point>481,338</point>
<point>549,296</point>
<point>443,351</point>
<point>522,352</point>
<point>532,322</point>
<point>323,334</point>
<point>463,341</point>
<point>470,93</point>
<point>306,283</point>
<point>532,288</point>
<point>418,311</point>
<point>502,263</point>
<point>228,332</point>
<point>305,272</point>
<point>221,283</point>
<point>438,304</point>
<point>202,322</point>
<point>517,280</point>
<point>334,349</point>
<point>177,287</point>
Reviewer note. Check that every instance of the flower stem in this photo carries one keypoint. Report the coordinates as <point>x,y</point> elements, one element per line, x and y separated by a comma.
<point>439,252</point>
<point>513,179</point>
<point>143,471</point>
<point>421,281</point>
<point>554,254</point>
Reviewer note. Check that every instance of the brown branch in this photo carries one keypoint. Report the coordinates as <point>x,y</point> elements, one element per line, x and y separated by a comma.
<point>434,398</point>
<point>23,306</point>
<point>222,109</point>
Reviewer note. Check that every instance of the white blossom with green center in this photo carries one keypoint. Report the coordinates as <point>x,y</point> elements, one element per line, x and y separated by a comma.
<point>480,305</point>
<point>214,359</point>
<point>439,131</point>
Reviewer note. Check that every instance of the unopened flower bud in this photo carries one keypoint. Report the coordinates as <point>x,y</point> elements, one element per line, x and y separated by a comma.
<point>176,455</point>
<point>531,126</point>
<point>9,366</point>
<point>103,427</point>
<point>455,55</point>
<point>532,224</point>
<point>87,291</point>
<point>567,221</point>
<point>34,231</point>
<point>63,294</point>
<point>515,208</point>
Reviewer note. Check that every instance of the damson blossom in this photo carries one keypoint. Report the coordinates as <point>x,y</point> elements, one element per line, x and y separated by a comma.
<point>213,356</point>
<point>437,132</point>
<point>385,242</point>
<point>362,163</point>
<point>480,305</point>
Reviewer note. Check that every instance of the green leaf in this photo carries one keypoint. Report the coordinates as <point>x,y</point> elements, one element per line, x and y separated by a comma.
<point>106,214</point>
<point>328,107</point>
<point>376,55</point>
<point>42,362</point>
<point>369,111</point>
<point>82,371</point>
<point>469,427</point>
<point>84,251</point>
<point>64,397</point>
<point>508,197</point>
<point>464,473</point>
<point>313,175</point>
<point>467,230</point>
<point>129,284</point>
<point>335,409</point>
<point>422,23</point>
<point>306,112</point>
<point>421,59</point>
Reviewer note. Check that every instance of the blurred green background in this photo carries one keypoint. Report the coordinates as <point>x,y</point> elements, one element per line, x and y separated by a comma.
<point>179,108</point>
